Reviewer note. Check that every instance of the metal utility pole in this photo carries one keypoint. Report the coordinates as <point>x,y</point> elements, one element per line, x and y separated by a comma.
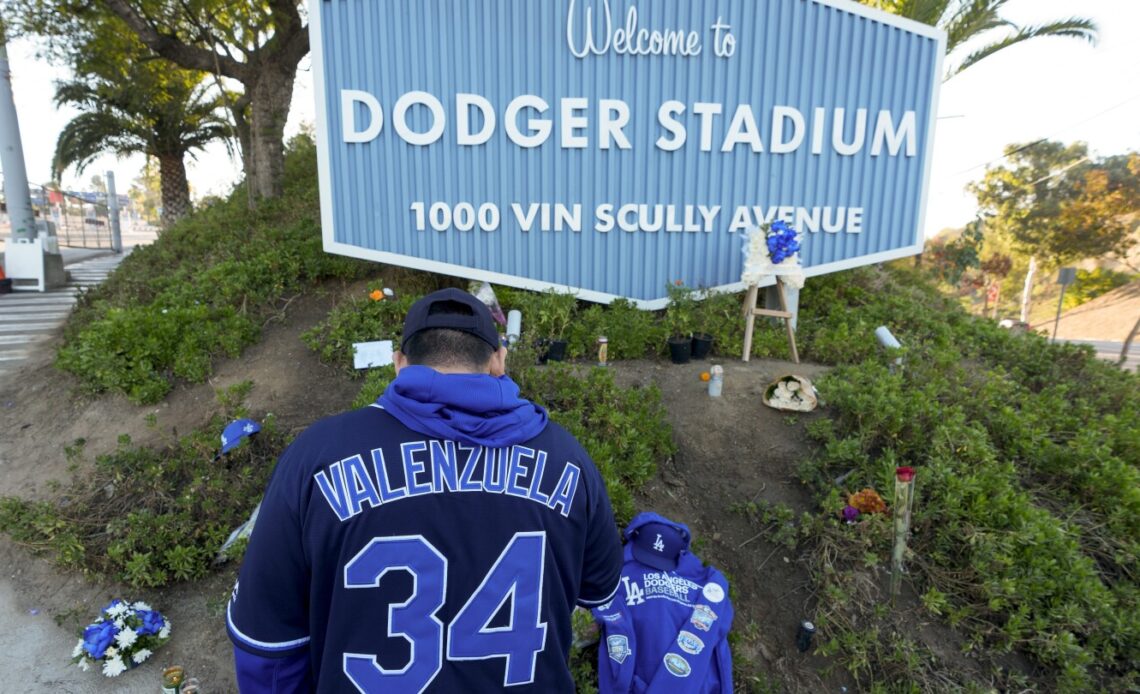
<point>12,157</point>
<point>1067,276</point>
<point>1027,292</point>
<point>113,213</point>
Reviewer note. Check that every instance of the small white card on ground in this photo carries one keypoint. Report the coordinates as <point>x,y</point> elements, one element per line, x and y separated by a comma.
<point>367,355</point>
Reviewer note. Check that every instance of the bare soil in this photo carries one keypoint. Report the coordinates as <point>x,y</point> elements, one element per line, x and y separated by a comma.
<point>731,450</point>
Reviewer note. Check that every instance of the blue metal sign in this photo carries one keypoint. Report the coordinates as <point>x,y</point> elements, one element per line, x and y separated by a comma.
<point>611,147</point>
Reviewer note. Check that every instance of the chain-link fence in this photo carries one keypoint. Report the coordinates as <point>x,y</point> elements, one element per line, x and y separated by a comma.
<point>81,219</point>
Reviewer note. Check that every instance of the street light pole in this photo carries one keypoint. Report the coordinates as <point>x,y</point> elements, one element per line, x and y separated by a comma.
<point>16,194</point>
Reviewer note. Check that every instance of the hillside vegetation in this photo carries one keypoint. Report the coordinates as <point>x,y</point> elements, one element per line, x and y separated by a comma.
<point>1027,524</point>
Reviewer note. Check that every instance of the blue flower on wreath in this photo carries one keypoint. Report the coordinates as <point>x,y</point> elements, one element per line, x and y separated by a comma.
<point>152,622</point>
<point>97,637</point>
<point>783,242</point>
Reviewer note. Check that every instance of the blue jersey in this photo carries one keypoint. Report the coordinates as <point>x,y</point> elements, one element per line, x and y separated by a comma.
<point>666,631</point>
<point>401,561</point>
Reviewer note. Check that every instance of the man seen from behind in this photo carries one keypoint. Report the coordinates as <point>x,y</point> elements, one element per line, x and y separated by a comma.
<point>435,541</point>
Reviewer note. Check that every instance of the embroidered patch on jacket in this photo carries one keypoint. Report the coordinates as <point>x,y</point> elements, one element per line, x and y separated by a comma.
<point>618,647</point>
<point>677,665</point>
<point>689,642</point>
<point>713,592</point>
<point>703,617</point>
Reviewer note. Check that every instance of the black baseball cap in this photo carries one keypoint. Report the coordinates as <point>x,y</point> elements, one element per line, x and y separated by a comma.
<point>479,323</point>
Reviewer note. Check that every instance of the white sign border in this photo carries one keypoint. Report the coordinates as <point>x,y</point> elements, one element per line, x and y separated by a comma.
<point>324,177</point>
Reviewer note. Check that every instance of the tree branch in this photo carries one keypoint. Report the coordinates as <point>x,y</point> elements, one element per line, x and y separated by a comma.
<point>290,41</point>
<point>174,49</point>
<point>296,47</point>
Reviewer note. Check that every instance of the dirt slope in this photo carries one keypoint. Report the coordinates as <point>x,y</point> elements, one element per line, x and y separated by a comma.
<point>731,450</point>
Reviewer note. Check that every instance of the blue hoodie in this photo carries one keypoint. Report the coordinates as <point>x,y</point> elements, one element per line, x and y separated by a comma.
<point>666,632</point>
<point>434,541</point>
<point>472,408</point>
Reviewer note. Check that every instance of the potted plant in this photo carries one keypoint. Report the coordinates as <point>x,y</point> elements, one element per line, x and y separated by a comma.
<point>702,341</point>
<point>680,315</point>
<point>554,313</point>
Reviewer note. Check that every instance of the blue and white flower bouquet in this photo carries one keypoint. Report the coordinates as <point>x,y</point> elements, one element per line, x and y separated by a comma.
<point>125,635</point>
<point>772,251</point>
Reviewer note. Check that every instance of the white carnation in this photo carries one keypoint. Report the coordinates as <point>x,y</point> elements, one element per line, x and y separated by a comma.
<point>164,633</point>
<point>118,610</point>
<point>126,637</point>
<point>140,605</point>
<point>84,665</point>
<point>113,667</point>
<point>111,652</point>
<point>140,656</point>
<point>78,650</point>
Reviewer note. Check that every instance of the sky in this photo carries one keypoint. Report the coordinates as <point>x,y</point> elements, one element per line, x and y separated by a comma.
<point>1056,88</point>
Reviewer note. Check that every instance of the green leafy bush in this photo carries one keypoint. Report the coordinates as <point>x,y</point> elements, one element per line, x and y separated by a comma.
<point>623,429</point>
<point>1093,283</point>
<point>202,289</point>
<point>632,332</point>
<point>147,516</point>
<point>1027,530</point>
<point>360,319</point>
<point>375,382</point>
<point>136,350</point>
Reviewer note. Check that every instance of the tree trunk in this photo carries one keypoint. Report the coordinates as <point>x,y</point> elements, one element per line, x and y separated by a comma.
<point>270,95</point>
<point>1128,343</point>
<point>267,77</point>
<point>239,110</point>
<point>175,189</point>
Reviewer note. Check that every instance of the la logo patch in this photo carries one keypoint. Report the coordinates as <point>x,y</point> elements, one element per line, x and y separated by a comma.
<point>634,595</point>
<point>659,544</point>
<point>618,647</point>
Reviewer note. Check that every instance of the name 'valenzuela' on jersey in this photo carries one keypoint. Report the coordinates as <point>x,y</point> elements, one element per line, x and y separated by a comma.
<point>441,557</point>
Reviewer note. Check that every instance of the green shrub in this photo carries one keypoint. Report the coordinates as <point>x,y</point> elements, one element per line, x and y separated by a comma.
<point>722,316</point>
<point>375,382</point>
<point>360,319</point>
<point>202,289</point>
<point>1090,284</point>
<point>632,332</point>
<point>1027,529</point>
<point>138,350</point>
<point>147,516</point>
<point>623,429</point>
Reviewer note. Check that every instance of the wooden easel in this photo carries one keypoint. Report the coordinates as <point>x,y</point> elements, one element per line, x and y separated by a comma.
<point>750,313</point>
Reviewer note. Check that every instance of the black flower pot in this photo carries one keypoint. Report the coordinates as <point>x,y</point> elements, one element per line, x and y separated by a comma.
<point>680,349</point>
<point>702,344</point>
<point>555,351</point>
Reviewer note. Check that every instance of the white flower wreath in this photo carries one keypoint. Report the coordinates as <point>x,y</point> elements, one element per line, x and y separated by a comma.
<point>758,263</point>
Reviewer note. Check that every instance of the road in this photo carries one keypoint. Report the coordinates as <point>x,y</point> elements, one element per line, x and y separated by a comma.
<point>28,318</point>
<point>1111,351</point>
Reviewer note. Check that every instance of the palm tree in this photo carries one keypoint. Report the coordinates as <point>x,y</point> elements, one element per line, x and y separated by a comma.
<point>967,20</point>
<point>134,105</point>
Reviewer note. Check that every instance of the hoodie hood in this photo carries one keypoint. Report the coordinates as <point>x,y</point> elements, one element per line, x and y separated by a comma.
<point>471,408</point>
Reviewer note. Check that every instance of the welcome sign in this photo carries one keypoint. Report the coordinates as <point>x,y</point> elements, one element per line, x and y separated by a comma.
<point>611,147</point>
